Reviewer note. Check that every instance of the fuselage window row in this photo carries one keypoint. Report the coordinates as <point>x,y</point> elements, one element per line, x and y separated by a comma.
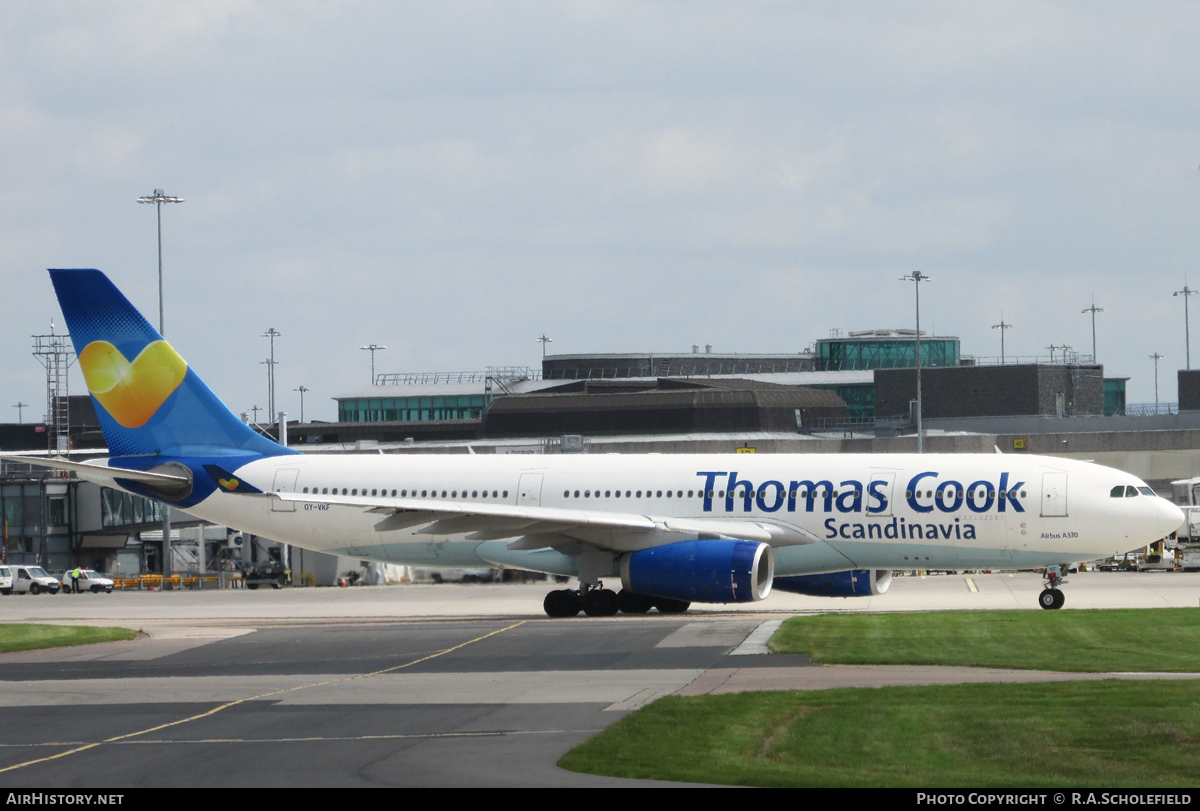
<point>405,494</point>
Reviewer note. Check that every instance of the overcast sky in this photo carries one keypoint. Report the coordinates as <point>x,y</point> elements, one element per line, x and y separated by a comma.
<point>453,180</point>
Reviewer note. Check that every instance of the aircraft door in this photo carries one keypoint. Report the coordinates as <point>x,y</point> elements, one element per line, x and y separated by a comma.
<point>529,490</point>
<point>879,494</point>
<point>1054,495</point>
<point>285,482</point>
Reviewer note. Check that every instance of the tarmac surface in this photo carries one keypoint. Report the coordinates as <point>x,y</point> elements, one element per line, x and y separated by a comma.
<point>451,685</point>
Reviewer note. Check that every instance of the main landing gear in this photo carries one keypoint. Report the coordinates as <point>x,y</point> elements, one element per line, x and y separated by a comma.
<point>1051,597</point>
<point>596,601</point>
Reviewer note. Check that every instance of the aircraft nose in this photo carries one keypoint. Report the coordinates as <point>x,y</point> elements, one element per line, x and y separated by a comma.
<point>1168,517</point>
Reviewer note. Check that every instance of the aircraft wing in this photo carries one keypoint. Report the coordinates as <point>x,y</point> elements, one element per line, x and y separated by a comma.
<point>608,530</point>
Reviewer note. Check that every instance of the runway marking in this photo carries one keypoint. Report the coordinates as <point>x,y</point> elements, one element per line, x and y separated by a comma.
<point>312,739</point>
<point>756,642</point>
<point>215,710</point>
<point>971,587</point>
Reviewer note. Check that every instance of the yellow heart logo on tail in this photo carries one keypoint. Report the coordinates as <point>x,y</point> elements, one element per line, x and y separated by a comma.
<point>228,484</point>
<point>132,392</point>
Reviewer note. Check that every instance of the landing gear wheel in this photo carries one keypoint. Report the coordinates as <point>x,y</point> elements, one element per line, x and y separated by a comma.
<point>668,606</point>
<point>600,603</point>
<point>1051,599</point>
<point>630,602</point>
<point>561,603</point>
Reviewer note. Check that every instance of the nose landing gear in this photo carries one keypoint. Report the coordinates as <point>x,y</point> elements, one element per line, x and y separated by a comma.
<point>1051,597</point>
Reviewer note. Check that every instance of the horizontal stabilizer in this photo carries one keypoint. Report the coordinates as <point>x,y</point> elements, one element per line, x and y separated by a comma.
<point>102,472</point>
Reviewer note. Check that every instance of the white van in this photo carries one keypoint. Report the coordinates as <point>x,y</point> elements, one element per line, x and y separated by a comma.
<point>6,580</point>
<point>33,580</point>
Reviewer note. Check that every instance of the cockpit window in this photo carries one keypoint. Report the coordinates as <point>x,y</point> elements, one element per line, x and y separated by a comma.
<point>1146,491</point>
<point>1130,492</point>
<point>1118,491</point>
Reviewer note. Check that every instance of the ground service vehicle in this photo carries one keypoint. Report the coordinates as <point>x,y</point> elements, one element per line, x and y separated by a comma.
<point>89,580</point>
<point>33,580</point>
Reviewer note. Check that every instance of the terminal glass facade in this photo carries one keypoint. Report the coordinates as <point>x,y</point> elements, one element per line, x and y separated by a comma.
<point>411,409</point>
<point>858,354</point>
<point>1114,396</point>
<point>858,397</point>
<point>119,509</point>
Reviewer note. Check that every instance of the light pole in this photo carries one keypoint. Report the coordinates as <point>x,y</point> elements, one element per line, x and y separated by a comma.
<point>270,364</point>
<point>255,409</point>
<point>1093,310</point>
<point>302,389</point>
<point>918,277</point>
<point>1002,326</point>
<point>272,334</point>
<point>158,198</point>
<point>20,410</point>
<point>1156,358</point>
<point>1187,332</point>
<point>372,348</point>
<point>543,341</point>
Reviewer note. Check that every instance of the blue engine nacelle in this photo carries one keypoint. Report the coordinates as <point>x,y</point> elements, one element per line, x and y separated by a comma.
<point>702,571</point>
<point>853,583</point>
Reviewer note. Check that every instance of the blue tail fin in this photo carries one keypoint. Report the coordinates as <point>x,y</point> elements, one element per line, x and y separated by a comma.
<point>147,399</point>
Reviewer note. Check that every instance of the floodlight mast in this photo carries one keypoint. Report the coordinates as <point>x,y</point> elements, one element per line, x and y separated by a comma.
<point>1002,326</point>
<point>1093,310</point>
<point>1187,332</point>
<point>918,277</point>
<point>302,389</point>
<point>158,198</point>
<point>372,348</point>
<point>1156,358</point>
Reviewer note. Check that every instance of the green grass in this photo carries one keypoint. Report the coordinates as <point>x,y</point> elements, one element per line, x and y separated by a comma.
<point>1093,641</point>
<point>1106,733</point>
<point>36,637</point>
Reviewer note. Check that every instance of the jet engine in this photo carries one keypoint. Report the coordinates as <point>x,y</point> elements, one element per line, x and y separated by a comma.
<point>701,571</point>
<point>852,583</point>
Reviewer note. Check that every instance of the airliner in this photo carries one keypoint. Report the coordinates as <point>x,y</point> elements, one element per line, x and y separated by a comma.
<point>672,529</point>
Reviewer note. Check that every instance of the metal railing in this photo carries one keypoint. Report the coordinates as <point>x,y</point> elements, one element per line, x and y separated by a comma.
<point>1071,359</point>
<point>509,374</point>
<point>697,369</point>
<point>1150,409</point>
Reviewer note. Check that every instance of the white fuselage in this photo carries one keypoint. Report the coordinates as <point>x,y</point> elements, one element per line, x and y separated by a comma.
<point>828,512</point>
